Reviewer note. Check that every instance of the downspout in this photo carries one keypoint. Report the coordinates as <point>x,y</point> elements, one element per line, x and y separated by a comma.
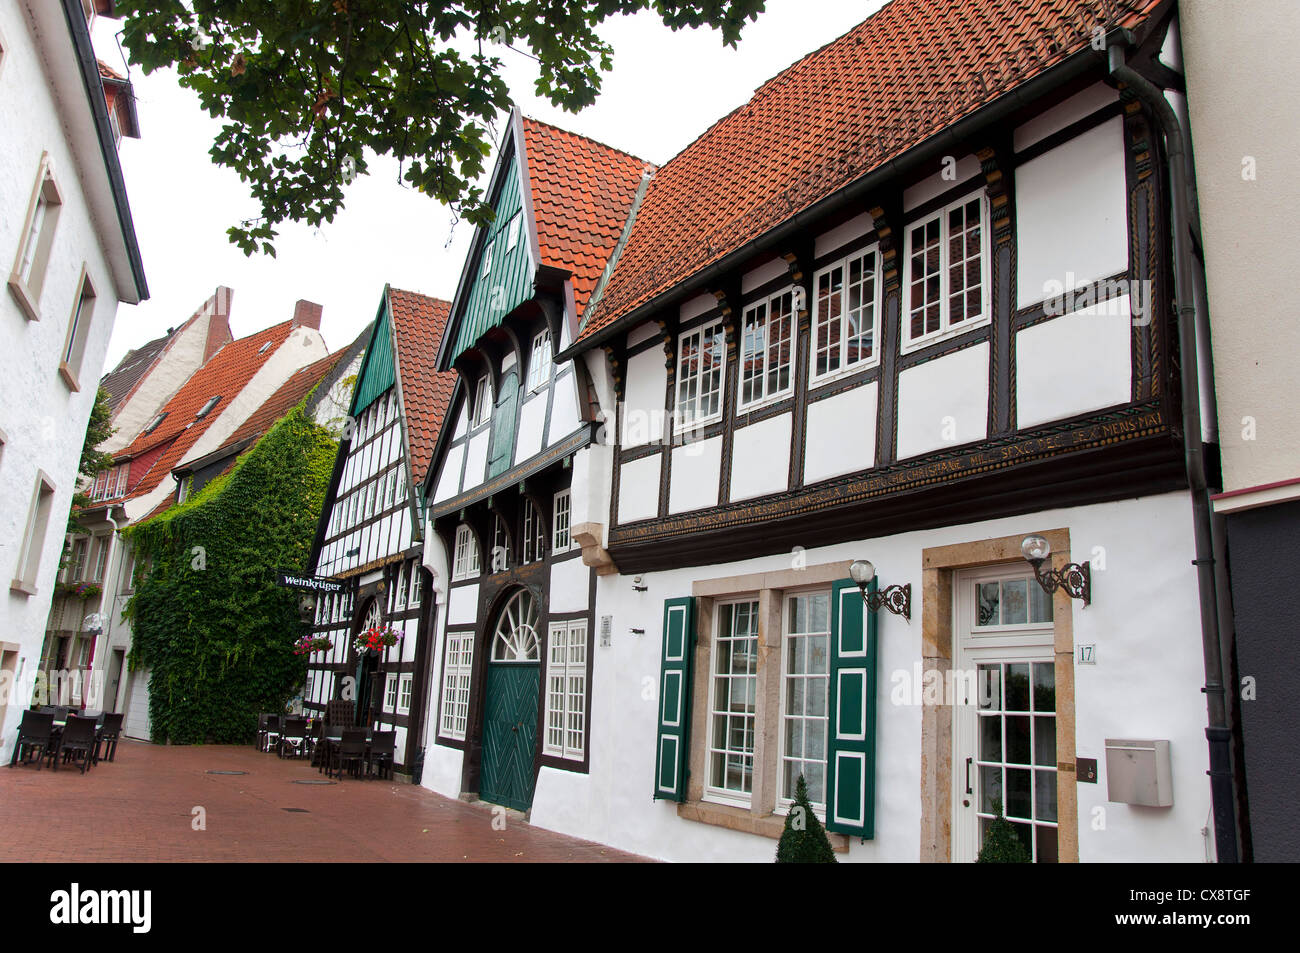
<point>1210,573</point>
<point>114,552</point>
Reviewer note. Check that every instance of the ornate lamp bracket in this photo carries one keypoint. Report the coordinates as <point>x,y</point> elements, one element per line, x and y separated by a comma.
<point>897,599</point>
<point>1074,578</point>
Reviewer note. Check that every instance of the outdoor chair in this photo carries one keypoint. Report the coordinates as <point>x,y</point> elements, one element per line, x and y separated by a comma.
<point>109,731</point>
<point>330,738</point>
<point>339,713</point>
<point>34,735</point>
<point>271,735</point>
<point>293,736</point>
<point>349,751</point>
<point>315,735</point>
<point>78,743</point>
<point>383,749</point>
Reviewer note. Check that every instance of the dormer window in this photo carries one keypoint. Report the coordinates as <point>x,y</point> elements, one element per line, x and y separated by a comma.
<point>264,347</point>
<point>207,408</point>
<point>482,409</point>
<point>153,424</point>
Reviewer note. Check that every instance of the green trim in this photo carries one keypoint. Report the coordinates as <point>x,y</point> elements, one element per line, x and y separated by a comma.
<point>851,727</point>
<point>379,369</point>
<point>673,739</point>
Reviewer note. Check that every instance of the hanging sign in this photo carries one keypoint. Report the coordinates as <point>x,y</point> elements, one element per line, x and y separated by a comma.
<point>314,583</point>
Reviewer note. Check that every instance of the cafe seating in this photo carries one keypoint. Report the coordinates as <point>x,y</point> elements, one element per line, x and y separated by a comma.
<point>110,729</point>
<point>293,736</point>
<point>34,737</point>
<point>383,749</point>
<point>78,742</point>
<point>349,751</point>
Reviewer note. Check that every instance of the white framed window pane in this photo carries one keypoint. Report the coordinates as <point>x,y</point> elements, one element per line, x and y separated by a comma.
<point>700,360</point>
<point>734,684</point>
<point>561,537</point>
<point>805,682</point>
<point>539,364</point>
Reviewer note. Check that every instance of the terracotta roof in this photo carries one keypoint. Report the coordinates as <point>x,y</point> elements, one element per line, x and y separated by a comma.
<point>107,72</point>
<point>224,375</point>
<point>905,73</point>
<point>582,192</point>
<point>121,380</point>
<point>418,324</point>
<point>291,392</point>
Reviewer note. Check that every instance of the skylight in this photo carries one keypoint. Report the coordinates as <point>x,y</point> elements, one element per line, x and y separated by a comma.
<point>153,424</point>
<point>207,408</point>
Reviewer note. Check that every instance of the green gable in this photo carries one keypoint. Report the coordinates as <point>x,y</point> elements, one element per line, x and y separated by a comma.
<point>502,274</point>
<point>378,371</point>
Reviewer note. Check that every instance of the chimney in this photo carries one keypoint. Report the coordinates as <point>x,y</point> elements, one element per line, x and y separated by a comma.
<point>307,313</point>
<point>218,323</point>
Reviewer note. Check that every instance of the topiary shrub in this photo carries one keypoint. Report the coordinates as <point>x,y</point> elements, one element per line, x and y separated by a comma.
<point>804,840</point>
<point>209,618</point>
<point>1001,845</point>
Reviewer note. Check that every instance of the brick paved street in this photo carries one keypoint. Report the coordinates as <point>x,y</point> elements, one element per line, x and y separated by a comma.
<point>140,809</point>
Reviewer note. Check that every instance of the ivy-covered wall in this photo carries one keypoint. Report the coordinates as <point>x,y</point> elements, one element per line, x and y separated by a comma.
<point>209,618</point>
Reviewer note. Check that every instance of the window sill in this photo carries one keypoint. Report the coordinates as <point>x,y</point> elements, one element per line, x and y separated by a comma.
<point>69,378</point>
<point>739,819</point>
<point>843,373</point>
<point>22,586</point>
<point>24,298</point>
<point>938,337</point>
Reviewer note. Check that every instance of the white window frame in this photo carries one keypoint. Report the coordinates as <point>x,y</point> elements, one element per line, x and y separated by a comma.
<point>539,363</point>
<point>500,542</point>
<point>568,738</point>
<point>390,692</point>
<point>750,316</point>
<point>456,674</point>
<point>405,683</point>
<point>512,230</point>
<point>399,585</point>
<point>711,329</point>
<point>36,240</point>
<point>562,522</point>
<point>481,411</point>
<point>465,564</point>
<point>74,344</point>
<point>534,542</point>
<point>784,802</point>
<point>876,304</point>
<point>485,268</point>
<point>413,599</point>
<point>712,793</point>
<point>38,523</point>
<point>308,686</point>
<point>80,560</point>
<point>946,328</point>
<point>100,566</point>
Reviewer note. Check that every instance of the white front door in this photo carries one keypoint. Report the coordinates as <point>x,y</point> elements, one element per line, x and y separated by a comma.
<point>1004,711</point>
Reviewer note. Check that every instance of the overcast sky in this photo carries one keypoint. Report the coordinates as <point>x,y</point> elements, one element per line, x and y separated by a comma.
<point>665,89</point>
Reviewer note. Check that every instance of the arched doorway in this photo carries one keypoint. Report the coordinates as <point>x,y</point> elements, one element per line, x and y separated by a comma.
<point>510,704</point>
<point>367,663</point>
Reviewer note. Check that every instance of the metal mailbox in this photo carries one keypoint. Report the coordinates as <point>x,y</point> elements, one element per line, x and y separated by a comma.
<point>1138,772</point>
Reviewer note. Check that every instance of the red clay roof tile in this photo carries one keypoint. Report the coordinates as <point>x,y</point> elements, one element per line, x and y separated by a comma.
<point>418,325</point>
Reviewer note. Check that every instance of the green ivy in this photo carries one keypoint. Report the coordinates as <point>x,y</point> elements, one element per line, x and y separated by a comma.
<point>210,619</point>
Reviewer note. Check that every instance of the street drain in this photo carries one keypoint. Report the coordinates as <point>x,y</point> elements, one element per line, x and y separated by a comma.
<point>296,810</point>
<point>313,782</point>
<point>227,772</point>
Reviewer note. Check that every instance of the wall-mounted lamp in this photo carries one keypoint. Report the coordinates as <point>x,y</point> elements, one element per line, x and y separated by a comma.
<point>637,587</point>
<point>307,606</point>
<point>1074,578</point>
<point>897,599</point>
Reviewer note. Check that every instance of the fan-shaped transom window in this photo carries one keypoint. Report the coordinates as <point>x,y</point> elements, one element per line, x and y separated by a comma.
<point>373,616</point>
<point>515,637</point>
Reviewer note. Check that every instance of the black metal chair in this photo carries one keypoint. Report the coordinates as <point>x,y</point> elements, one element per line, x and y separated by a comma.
<point>110,729</point>
<point>293,736</point>
<point>349,750</point>
<point>272,732</point>
<point>34,736</point>
<point>383,750</point>
<point>78,742</point>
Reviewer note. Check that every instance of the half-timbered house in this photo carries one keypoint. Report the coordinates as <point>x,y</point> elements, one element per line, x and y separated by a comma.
<point>518,474</point>
<point>369,536</point>
<point>908,308</point>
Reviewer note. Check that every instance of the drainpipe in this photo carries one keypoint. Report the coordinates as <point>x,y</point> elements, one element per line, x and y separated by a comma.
<point>1210,573</point>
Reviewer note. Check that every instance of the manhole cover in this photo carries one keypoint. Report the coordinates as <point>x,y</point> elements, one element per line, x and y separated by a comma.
<point>227,772</point>
<point>296,810</point>
<point>313,782</point>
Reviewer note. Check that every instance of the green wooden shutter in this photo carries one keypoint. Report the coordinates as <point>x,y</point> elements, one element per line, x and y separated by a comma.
<point>673,742</point>
<point>503,425</point>
<point>851,748</point>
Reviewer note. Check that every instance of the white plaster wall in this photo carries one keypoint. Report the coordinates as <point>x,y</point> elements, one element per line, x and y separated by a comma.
<point>761,458</point>
<point>1074,363</point>
<point>1071,214</point>
<point>764,273</point>
<point>693,483</point>
<point>643,406</point>
<point>943,402</point>
<point>694,307</point>
<point>1146,684</point>
<point>462,604</point>
<point>570,580</point>
<point>532,424</point>
<point>564,408</point>
<point>855,227</point>
<point>177,364</point>
<point>933,186</point>
<point>1069,111</point>
<point>42,420</point>
<point>476,460</point>
<point>449,476</point>
<point>841,434</point>
<point>638,489</point>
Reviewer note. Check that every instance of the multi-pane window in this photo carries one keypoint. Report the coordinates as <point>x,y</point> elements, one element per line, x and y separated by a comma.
<point>399,596</point>
<point>566,690</point>
<point>121,471</point>
<point>79,560</point>
<point>465,562</point>
<point>804,680</point>
<point>415,585</point>
<point>539,365</point>
<point>1011,602</point>
<point>404,694</point>
<point>512,232</point>
<point>307,688</point>
<point>487,260</point>
<point>455,684</point>
<point>1017,751</point>
<point>700,357</point>
<point>500,545</point>
<point>534,533</point>
<point>766,344</point>
<point>846,317</point>
<point>482,409</point>
<point>945,287</point>
<point>390,692</point>
<point>733,695</point>
<point>101,558</point>
<point>562,537</point>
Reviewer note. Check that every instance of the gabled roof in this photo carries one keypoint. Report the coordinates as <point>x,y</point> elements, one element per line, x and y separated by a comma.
<point>225,374</point>
<point>582,192</point>
<point>121,380</point>
<point>902,75</point>
<point>289,395</point>
<point>418,326</point>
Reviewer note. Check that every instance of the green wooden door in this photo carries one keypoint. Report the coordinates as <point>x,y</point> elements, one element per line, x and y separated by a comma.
<point>510,705</point>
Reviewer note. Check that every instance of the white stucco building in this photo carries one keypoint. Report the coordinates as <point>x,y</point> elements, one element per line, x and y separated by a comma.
<point>70,256</point>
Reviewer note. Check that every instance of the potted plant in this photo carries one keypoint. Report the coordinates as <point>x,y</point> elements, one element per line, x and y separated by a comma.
<point>375,639</point>
<point>804,840</point>
<point>312,643</point>
<point>1001,845</point>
